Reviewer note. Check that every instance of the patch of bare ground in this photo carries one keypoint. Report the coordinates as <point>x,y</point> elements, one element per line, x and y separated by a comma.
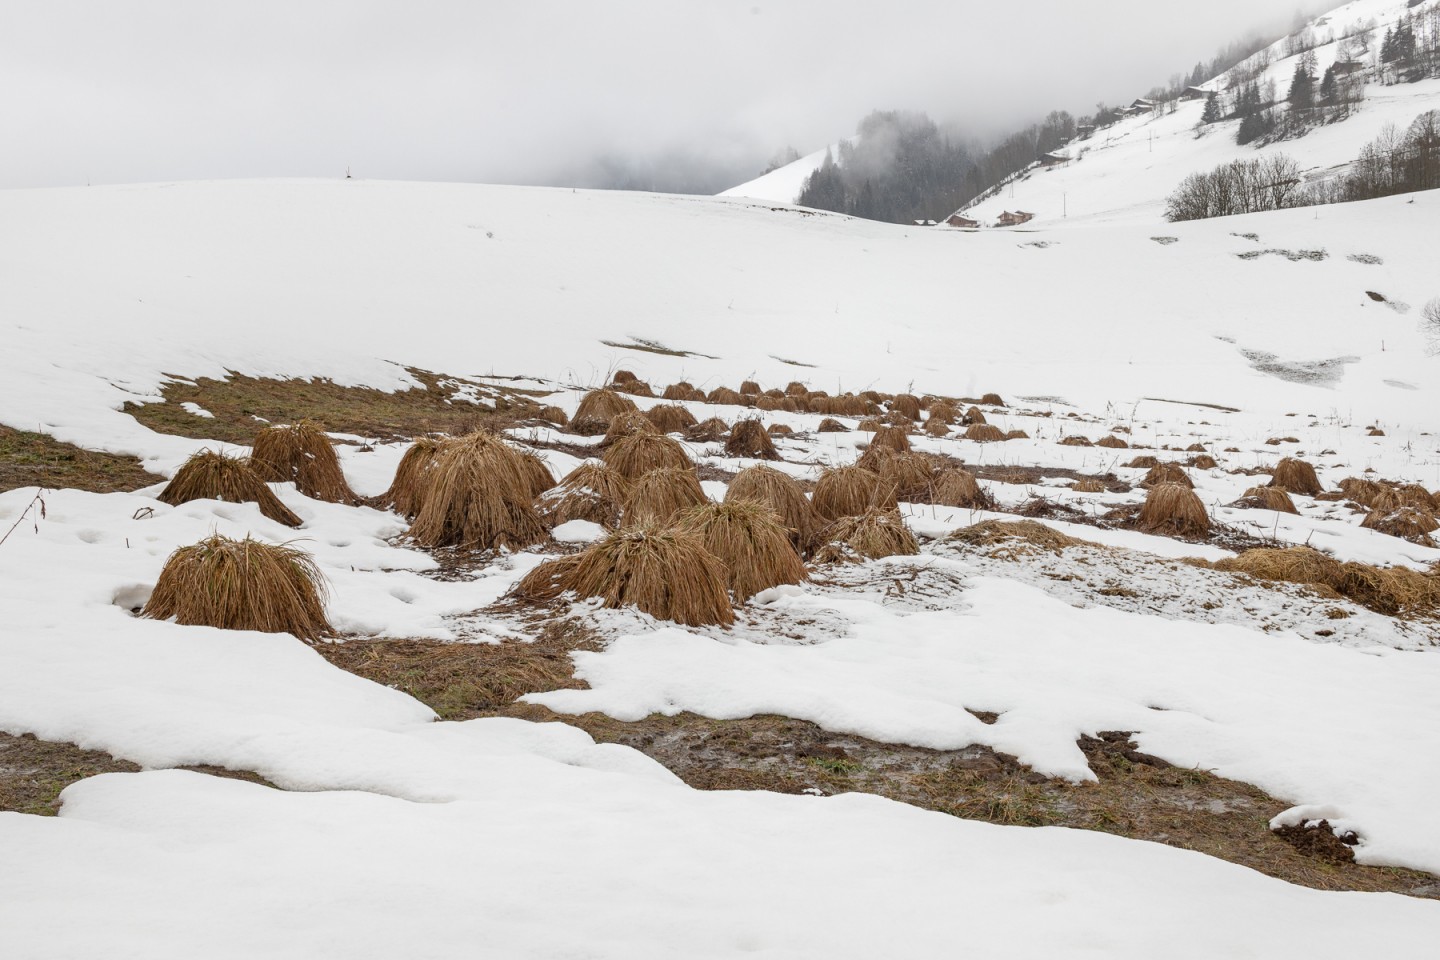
<point>1137,795</point>
<point>242,404</point>
<point>34,771</point>
<point>38,460</point>
<point>1035,475</point>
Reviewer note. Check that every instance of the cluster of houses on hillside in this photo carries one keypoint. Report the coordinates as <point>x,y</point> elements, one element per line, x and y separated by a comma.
<point>1006,219</point>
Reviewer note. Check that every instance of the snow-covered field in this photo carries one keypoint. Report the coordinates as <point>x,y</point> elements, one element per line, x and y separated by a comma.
<point>397,834</point>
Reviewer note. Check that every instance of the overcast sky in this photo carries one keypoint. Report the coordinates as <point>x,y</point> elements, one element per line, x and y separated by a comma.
<point>541,91</point>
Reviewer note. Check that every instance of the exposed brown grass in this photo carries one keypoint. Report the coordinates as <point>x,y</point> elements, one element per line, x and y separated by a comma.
<point>992,400</point>
<point>779,492</point>
<point>748,438</point>
<point>658,496</point>
<point>910,475</point>
<point>1168,472</point>
<point>870,535</point>
<point>1112,441</point>
<point>986,433</point>
<point>537,471</point>
<point>1173,508</point>
<point>845,405</point>
<point>242,585</point>
<point>851,491</point>
<point>1016,435</point>
<point>1408,523</point>
<point>635,388</point>
<point>624,424</point>
<point>1393,591</point>
<point>751,541</point>
<point>1076,440</point>
<point>1202,461</point>
<point>710,430</point>
<point>726,396</point>
<point>1088,485</point>
<point>780,430</point>
<point>592,491</point>
<point>39,460</point>
<point>623,376</point>
<point>1267,498</point>
<point>1303,565</point>
<point>1296,476</point>
<point>1145,462</point>
<point>1014,538</point>
<point>936,428</point>
<point>683,390</point>
<point>209,475</point>
<point>892,438</point>
<point>749,388</point>
<point>943,411</point>
<point>973,416</point>
<point>478,494</point>
<point>666,573</point>
<point>955,487</point>
<point>640,453</point>
<point>597,408</point>
<point>552,414</point>
<point>906,405</point>
<point>408,488</point>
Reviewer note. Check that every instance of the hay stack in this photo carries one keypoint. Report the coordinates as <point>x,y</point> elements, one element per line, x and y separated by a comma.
<point>665,573</point>
<point>1017,536</point>
<point>627,424</point>
<point>1017,435</point>
<point>1088,485</point>
<point>657,497</point>
<point>537,471</point>
<point>1113,442</point>
<point>829,425</point>
<point>1414,495</point>
<point>906,405</point>
<point>871,535</point>
<point>954,487</point>
<point>891,438</point>
<point>749,439</point>
<point>1291,565</point>
<point>936,428</point>
<point>944,411</point>
<point>1167,472</point>
<point>1393,591</point>
<point>597,408</point>
<point>242,585</point>
<point>796,389</point>
<point>208,475</point>
<point>555,415</point>
<point>725,395</point>
<point>768,403</point>
<point>1408,523</point>
<point>849,492</point>
<point>708,431</point>
<point>1143,463</point>
<point>1076,440</point>
<point>682,390</point>
<point>640,453</point>
<point>624,376</point>
<point>1267,498</point>
<point>407,489</point>
<point>750,540</point>
<point>592,491</point>
<point>780,430</point>
<point>1296,476</point>
<point>973,416</point>
<point>984,433</point>
<point>301,453</point>
<point>478,494</point>
<point>671,418</point>
<point>910,474</point>
<point>1203,462</point>
<point>781,494</point>
<point>992,400</point>
<point>1173,508</point>
<point>636,388</point>
<point>749,388</point>
<point>869,424</point>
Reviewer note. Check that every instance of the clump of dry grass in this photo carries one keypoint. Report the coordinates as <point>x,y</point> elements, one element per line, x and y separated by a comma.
<point>708,431</point>
<point>725,395</point>
<point>478,494</point>
<point>781,494</point>
<point>944,411</point>
<point>748,438</point>
<point>870,424</point>
<point>301,453</point>
<point>1393,591</point>
<point>592,491</point>
<point>984,433</point>
<point>1016,435</point>
<point>1414,495</point>
<point>597,408</point>
<point>555,415</point>
<point>906,405</point>
<point>209,475</point>
<point>767,402</point>
<point>1112,441</point>
<point>1202,461</point>
<point>851,491</point>
<point>636,388</point>
<point>1267,498</point>
<point>910,475</point>
<point>1144,463</point>
<point>830,425</point>
<point>623,376</point>
<point>1167,472</point>
<point>1296,476</point>
<point>891,438</point>
<point>242,585</point>
<point>845,405</point>
<point>408,488</point>
<point>936,428</point>
<point>625,424</point>
<point>1303,565</point>
<point>780,430</point>
<point>642,452</point>
<point>750,540</point>
<point>536,471</point>
<point>796,389</point>
<point>663,572</point>
<point>1088,485</point>
<point>973,416</point>
<point>749,388</point>
<point>871,535</point>
<point>1173,508</point>
<point>1076,440</point>
<point>1408,523</point>
<point>992,400</point>
<point>658,496</point>
<point>1031,533</point>
<point>684,390</point>
<point>954,487</point>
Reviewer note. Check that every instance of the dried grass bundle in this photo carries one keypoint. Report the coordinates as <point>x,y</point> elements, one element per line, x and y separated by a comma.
<point>708,431</point>
<point>636,388</point>
<point>829,425</point>
<point>1017,435</point>
<point>972,416</point>
<point>1393,591</point>
<point>849,492</point>
<point>657,497</point>
<point>1173,508</point>
<point>906,405</point>
<point>725,395</point>
<point>891,438</point>
<point>749,388</point>
<point>1291,565</point>
<point>871,535</point>
<point>627,424</point>
<point>781,494</point>
<point>1267,498</point>
<point>242,585</point>
<point>1203,462</point>
<point>870,424</point>
<point>954,487</point>
<point>1143,463</point>
<point>624,376</point>
<point>1088,485</point>
<point>1113,442</point>
<point>408,488</point>
<point>597,408</point>
<point>1030,533</point>
<point>992,400</point>
<point>936,428</point>
<point>796,389</point>
<point>1167,472</point>
<point>750,540</point>
<point>665,573</point>
<point>537,471</point>
<point>555,415</point>
<point>1296,476</point>
<point>1076,440</point>
<point>780,430</point>
<point>639,453</point>
<point>909,474</point>
<point>683,390</point>
<point>303,454</point>
<point>478,494</point>
<point>985,433</point>
<point>209,475</point>
<point>749,439</point>
<point>766,402</point>
<point>592,491</point>
<point>944,411</point>
<point>1408,523</point>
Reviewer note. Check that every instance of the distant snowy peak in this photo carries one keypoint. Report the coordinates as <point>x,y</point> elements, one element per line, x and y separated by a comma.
<point>783,184</point>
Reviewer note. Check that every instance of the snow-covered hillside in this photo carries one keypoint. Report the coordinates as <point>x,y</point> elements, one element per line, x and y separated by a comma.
<point>783,184</point>
<point>1124,172</point>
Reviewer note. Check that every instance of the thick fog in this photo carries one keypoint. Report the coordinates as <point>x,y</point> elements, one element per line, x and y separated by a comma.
<point>679,95</point>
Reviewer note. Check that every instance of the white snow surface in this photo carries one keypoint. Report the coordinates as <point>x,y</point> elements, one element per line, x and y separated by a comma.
<point>783,184</point>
